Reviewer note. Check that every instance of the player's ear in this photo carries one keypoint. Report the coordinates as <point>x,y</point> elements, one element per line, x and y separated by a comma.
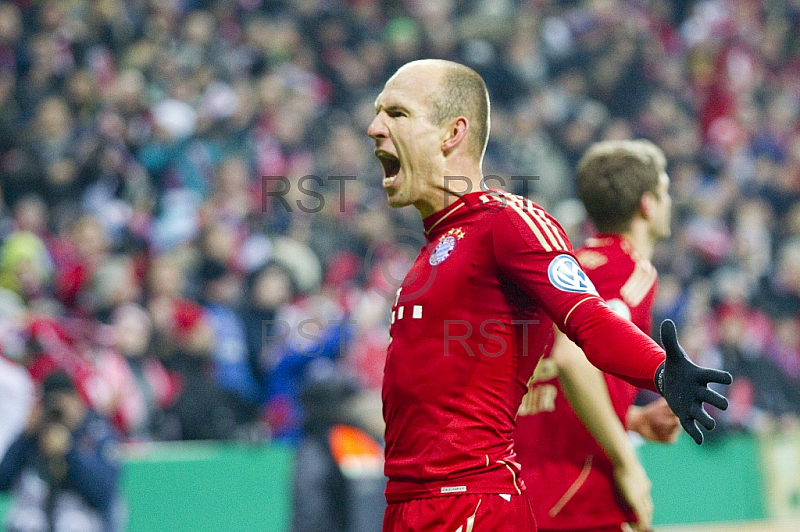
<point>455,134</point>
<point>647,204</point>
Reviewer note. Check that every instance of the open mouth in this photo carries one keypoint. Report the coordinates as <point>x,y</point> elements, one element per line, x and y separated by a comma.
<point>390,164</point>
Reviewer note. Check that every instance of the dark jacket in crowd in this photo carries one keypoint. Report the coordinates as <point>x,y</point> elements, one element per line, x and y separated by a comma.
<point>83,499</point>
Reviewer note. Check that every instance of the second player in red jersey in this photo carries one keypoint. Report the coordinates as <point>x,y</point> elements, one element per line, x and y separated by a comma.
<point>563,464</point>
<point>572,477</point>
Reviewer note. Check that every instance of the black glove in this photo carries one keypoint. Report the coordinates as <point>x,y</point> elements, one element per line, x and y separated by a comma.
<point>685,385</point>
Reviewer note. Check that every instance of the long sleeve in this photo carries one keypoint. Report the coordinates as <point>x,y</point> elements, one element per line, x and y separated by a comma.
<point>617,346</point>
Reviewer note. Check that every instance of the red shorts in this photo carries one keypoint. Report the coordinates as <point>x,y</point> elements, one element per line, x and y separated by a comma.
<point>478,512</point>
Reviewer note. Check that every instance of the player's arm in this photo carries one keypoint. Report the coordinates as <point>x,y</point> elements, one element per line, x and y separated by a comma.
<point>683,384</point>
<point>534,252</point>
<point>586,390</point>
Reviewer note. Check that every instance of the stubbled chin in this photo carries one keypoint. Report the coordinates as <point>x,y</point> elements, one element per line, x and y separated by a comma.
<point>393,197</point>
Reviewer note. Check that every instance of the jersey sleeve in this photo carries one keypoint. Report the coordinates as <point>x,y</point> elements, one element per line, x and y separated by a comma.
<point>535,254</point>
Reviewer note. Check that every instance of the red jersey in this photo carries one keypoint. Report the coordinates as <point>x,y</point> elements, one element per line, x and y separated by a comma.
<point>569,476</point>
<point>469,323</point>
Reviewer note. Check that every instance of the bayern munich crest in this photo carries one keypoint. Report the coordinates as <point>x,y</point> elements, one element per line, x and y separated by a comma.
<point>442,250</point>
<point>566,274</point>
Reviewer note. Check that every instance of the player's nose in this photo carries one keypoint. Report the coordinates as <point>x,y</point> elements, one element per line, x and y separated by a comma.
<point>377,129</point>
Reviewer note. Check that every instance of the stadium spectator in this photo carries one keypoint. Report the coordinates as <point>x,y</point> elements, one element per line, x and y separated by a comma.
<point>231,364</point>
<point>338,480</point>
<point>131,386</point>
<point>64,467</point>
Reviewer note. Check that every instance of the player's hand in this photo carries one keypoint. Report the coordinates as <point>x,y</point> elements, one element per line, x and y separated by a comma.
<point>654,421</point>
<point>685,385</point>
<point>634,486</point>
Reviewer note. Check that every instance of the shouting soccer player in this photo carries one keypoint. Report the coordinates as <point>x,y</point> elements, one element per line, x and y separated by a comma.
<point>571,472</point>
<point>476,311</point>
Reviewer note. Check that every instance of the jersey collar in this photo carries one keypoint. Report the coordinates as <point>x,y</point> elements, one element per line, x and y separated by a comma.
<point>467,201</point>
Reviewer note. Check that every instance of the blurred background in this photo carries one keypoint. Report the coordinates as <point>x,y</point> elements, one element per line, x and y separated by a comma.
<point>162,243</point>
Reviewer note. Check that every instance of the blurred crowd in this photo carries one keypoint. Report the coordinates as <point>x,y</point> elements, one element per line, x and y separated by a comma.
<point>163,243</point>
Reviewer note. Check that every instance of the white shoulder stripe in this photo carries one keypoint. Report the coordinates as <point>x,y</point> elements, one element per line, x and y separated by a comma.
<point>545,221</point>
<point>534,213</point>
<point>639,283</point>
<point>533,227</point>
<point>551,229</point>
<point>538,221</point>
<point>556,232</point>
